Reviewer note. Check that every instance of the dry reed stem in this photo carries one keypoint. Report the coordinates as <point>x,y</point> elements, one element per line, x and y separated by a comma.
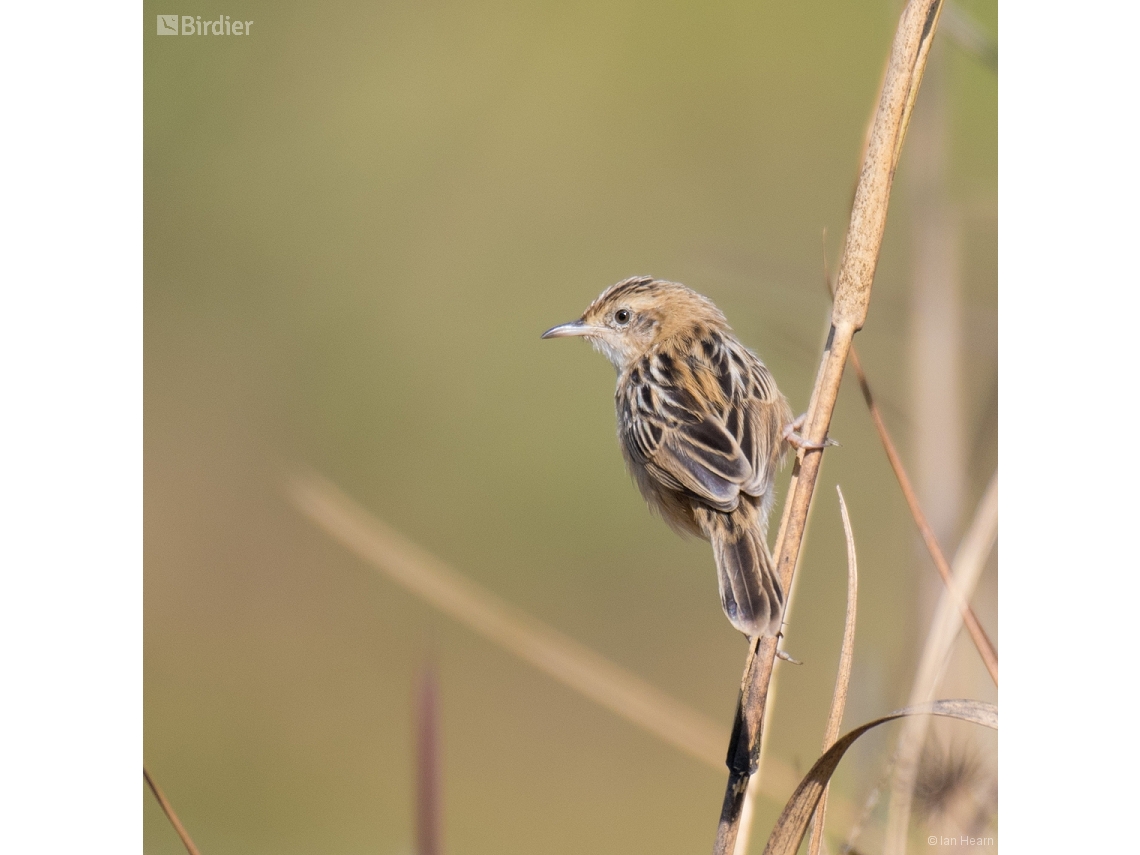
<point>849,312</point>
<point>843,675</point>
<point>168,809</point>
<point>981,641</point>
<point>559,656</point>
<point>969,562</point>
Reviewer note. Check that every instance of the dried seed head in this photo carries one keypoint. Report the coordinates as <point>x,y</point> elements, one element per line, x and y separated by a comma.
<point>950,777</point>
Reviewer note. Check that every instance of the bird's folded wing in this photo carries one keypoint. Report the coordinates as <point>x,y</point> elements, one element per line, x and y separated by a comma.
<point>694,452</point>
<point>754,424</point>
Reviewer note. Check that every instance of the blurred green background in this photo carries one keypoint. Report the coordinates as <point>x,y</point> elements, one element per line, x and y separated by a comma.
<point>358,220</point>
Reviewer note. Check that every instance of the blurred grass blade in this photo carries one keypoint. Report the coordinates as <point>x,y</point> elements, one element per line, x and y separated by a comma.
<point>168,809</point>
<point>970,36</point>
<point>544,647</point>
<point>843,676</point>
<point>566,660</point>
<point>790,828</point>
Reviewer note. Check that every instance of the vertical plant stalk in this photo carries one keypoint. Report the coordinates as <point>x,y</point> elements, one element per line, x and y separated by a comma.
<point>962,602</point>
<point>969,562</point>
<point>849,312</point>
<point>428,815</point>
<point>168,809</point>
<point>843,675</point>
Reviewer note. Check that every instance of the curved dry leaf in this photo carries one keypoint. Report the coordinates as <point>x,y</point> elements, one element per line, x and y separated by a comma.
<point>793,822</point>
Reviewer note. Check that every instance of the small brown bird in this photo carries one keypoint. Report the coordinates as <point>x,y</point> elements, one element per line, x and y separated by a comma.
<point>702,427</point>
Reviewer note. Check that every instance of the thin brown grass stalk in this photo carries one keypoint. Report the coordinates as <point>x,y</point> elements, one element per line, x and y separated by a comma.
<point>973,625</point>
<point>168,809</point>
<point>969,562</point>
<point>843,675</point>
<point>909,51</point>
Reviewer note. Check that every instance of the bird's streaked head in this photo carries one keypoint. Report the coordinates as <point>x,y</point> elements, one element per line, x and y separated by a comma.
<point>636,314</point>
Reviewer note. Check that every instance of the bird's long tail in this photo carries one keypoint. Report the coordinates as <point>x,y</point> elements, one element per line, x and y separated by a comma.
<point>750,591</point>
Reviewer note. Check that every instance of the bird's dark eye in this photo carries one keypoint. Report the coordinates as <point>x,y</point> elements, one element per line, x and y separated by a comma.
<point>621,317</point>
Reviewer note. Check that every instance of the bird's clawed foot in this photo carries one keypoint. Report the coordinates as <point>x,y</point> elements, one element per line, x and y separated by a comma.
<point>783,654</point>
<point>792,436</point>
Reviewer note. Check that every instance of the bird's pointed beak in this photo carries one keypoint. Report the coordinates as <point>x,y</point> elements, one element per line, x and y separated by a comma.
<point>578,327</point>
